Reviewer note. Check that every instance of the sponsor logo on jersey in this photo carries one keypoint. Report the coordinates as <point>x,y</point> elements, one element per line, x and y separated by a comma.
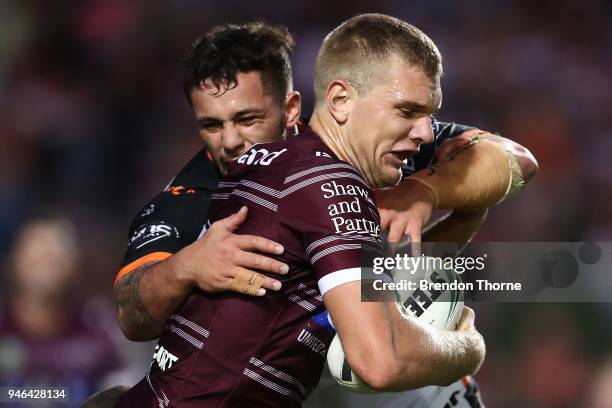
<point>164,358</point>
<point>312,342</point>
<point>333,189</point>
<point>147,211</point>
<point>341,213</point>
<point>148,233</point>
<point>261,157</point>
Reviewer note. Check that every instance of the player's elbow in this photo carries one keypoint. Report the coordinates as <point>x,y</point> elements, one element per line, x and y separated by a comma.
<point>393,376</point>
<point>379,372</point>
<point>525,160</point>
<point>380,380</point>
<point>133,331</point>
<point>527,163</point>
<point>128,329</point>
<point>393,373</point>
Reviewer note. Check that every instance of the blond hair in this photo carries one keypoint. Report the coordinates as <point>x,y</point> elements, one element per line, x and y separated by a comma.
<point>358,48</point>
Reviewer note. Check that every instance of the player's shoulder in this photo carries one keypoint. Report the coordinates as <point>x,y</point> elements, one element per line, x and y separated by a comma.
<point>282,160</point>
<point>184,197</point>
<point>312,157</point>
<point>200,172</point>
<point>316,174</point>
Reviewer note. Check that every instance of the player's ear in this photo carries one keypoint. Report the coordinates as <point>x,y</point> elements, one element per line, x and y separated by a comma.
<point>338,98</point>
<point>293,108</point>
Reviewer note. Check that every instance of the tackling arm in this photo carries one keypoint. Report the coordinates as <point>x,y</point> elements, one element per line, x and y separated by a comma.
<point>479,174</point>
<point>461,224</point>
<point>469,175</point>
<point>148,295</point>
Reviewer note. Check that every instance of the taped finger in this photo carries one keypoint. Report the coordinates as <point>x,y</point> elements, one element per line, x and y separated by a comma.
<point>246,281</point>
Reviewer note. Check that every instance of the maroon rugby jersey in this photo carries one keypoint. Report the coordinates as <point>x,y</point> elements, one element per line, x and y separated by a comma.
<point>234,350</point>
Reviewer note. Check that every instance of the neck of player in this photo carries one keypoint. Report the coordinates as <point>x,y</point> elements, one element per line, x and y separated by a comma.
<point>333,135</point>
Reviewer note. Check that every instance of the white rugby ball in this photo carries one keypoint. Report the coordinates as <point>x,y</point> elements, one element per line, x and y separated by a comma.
<point>437,299</point>
<point>438,308</point>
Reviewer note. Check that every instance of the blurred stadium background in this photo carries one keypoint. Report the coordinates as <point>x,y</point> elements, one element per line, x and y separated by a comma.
<point>93,123</point>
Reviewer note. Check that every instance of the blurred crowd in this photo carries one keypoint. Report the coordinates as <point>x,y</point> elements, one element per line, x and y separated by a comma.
<point>93,123</point>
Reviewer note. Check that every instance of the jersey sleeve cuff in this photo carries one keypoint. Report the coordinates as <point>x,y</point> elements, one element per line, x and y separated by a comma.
<point>331,280</point>
<point>152,257</point>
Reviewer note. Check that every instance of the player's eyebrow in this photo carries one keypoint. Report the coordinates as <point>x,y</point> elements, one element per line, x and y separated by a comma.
<point>416,107</point>
<point>207,120</point>
<point>251,111</point>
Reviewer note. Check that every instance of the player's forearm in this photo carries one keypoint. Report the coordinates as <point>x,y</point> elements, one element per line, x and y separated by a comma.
<point>459,226</point>
<point>391,353</point>
<point>408,354</point>
<point>442,362</point>
<point>147,297</point>
<point>433,357</point>
<point>479,175</point>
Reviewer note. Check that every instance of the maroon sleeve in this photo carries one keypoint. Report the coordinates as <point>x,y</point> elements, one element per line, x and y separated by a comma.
<point>330,208</point>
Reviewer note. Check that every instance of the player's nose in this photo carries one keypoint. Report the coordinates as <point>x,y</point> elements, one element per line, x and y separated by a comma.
<point>422,131</point>
<point>232,141</point>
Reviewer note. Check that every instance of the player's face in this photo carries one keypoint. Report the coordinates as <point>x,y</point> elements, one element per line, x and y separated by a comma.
<point>231,122</point>
<point>390,122</point>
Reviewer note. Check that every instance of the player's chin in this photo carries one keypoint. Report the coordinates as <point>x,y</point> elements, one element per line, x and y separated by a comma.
<point>390,177</point>
<point>227,163</point>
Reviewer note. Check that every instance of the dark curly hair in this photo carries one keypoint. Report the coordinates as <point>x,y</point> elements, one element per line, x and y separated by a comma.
<point>229,49</point>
